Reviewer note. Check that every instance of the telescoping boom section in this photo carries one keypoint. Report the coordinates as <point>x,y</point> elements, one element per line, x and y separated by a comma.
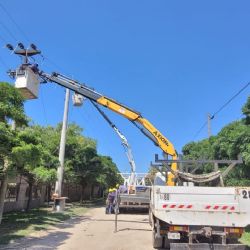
<point>145,126</point>
<point>125,144</point>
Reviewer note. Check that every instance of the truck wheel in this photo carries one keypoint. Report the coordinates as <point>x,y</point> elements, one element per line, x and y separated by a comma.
<point>157,242</point>
<point>166,242</point>
<point>232,240</point>
<point>150,218</point>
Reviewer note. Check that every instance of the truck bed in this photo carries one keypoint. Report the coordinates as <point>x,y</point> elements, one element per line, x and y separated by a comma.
<point>208,206</point>
<point>141,199</point>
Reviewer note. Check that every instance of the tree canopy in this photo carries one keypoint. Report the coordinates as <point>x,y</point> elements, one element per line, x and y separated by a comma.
<point>32,151</point>
<point>233,140</point>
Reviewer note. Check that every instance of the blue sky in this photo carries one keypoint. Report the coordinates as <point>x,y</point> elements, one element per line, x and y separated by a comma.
<point>174,61</point>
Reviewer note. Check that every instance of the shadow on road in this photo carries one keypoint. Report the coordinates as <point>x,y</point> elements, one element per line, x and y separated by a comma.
<point>52,238</point>
<point>132,221</point>
<point>51,241</point>
<point>72,222</point>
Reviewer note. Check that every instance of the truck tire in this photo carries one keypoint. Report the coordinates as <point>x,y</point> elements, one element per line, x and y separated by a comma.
<point>150,218</point>
<point>166,242</point>
<point>157,242</point>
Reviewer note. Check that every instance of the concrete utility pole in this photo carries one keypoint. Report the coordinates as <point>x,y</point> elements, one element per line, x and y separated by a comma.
<point>58,188</point>
<point>209,118</point>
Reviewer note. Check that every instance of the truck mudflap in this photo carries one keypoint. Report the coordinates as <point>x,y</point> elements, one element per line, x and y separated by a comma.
<point>206,246</point>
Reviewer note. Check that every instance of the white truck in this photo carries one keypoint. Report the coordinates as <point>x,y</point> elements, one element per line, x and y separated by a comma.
<point>193,217</point>
<point>138,200</point>
<point>136,195</point>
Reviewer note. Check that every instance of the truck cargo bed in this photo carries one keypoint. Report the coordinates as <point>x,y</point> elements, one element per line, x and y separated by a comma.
<point>208,206</point>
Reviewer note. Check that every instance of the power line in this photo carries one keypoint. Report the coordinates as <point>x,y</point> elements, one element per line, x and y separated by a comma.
<point>201,128</point>
<point>233,97</point>
<point>221,108</point>
<point>26,37</point>
<point>13,20</point>
<point>43,106</point>
<point>3,39</point>
<point>55,65</point>
<point>9,31</point>
<point>3,63</point>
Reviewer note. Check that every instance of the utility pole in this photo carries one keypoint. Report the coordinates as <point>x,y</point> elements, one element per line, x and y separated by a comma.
<point>209,118</point>
<point>60,169</point>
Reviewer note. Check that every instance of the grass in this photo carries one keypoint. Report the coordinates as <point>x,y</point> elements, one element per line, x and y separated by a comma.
<point>245,239</point>
<point>20,224</point>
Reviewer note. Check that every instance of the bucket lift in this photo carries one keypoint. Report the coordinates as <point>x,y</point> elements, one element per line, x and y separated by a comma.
<point>27,82</point>
<point>27,77</point>
<point>77,99</point>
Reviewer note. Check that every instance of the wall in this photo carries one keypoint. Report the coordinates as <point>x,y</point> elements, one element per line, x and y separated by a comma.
<point>17,194</point>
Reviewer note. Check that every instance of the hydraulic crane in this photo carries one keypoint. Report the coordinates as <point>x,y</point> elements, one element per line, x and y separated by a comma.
<point>181,216</point>
<point>135,117</point>
<point>125,144</point>
<point>31,74</point>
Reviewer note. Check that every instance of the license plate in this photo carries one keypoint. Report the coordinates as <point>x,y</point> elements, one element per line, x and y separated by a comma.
<point>164,196</point>
<point>174,236</point>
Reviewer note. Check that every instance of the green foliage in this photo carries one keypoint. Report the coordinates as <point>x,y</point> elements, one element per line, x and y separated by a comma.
<point>11,104</point>
<point>246,111</point>
<point>200,150</point>
<point>233,140</point>
<point>11,108</point>
<point>45,175</point>
<point>84,166</point>
<point>33,151</point>
<point>31,158</point>
<point>109,176</point>
<point>245,239</point>
<point>7,139</point>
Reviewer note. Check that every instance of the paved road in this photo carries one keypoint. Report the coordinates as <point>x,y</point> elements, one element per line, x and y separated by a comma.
<point>94,231</point>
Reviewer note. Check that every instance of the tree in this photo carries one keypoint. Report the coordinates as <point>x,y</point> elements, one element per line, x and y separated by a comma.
<point>233,140</point>
<point>109,176</point>
<point>246,111</point>
<point>26,157</point>
<point>200,150</point>
<point>33,157</point>
<point>84,166</point>
<point>30,158</point>
<point>11,108</point>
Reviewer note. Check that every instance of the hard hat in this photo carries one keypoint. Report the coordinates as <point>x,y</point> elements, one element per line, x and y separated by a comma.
<point>110,190</point>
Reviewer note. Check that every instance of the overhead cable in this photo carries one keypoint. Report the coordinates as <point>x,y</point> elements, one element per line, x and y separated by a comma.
<point>201,128</point>
<point>9,31</point>
<point>233,97</point>
<point>3,63</point>
<point>3,39</point>
<point>43,106</point>
<point>15,23</point>
<point>221,108</point>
